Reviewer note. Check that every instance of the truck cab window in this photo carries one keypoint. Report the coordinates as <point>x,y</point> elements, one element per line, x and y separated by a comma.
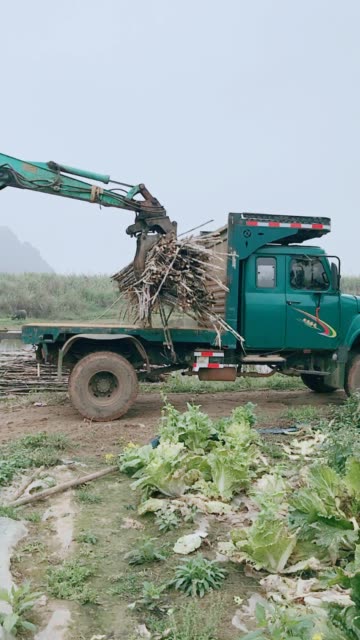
<point>308,273</point>
<point>266,273</point>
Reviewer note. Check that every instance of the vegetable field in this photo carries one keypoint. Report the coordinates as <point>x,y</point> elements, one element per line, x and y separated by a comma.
<point>212,528</point>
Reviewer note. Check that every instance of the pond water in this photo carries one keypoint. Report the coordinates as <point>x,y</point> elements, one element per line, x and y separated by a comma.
<point>13,345</point>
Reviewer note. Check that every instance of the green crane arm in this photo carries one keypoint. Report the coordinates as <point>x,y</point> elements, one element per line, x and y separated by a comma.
<point>55,179</point>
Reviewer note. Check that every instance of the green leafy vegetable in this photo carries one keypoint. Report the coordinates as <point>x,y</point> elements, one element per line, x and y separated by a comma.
<point>193,428</point>
<point>133,458</point>
<point>230,471</point>
<point>321,512</point>
<point>267,544</point>
<point>165,471</point>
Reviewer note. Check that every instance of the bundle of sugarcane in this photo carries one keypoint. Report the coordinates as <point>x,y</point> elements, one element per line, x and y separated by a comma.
<point>177,275</point>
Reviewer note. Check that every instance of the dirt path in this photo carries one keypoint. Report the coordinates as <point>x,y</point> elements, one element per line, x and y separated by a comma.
<point>139,425</point>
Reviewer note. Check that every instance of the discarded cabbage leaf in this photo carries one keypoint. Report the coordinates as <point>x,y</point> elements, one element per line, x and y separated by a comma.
<point>151,506</point>
<point>217,507</point>
<point>187,544</point>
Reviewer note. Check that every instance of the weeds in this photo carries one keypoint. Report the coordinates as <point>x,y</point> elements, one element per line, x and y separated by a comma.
<point>306,414</point>
<point>197,576</point>
<point>167,520</point>
<point>31,451</point>
<point>87,496</point>
<point>68,582</point>
<point>87,537</point>
<point>144,552</point>
<point>342,441</point>
<point>176,383</point>
<point>128,585</point>
<point>151,597</point>
<point>33,547</point>
<point>9,512</point>
<point>273,450</point>
<point>194,623</point>
<point>33,516</point>
<point>21,600</point>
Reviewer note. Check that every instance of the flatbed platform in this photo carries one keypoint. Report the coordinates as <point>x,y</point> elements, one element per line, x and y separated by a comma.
<point>10,334</point>
<point>39,332</point>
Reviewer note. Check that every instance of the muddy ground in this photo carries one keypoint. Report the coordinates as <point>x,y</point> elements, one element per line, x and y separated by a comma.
<point>139,425</point>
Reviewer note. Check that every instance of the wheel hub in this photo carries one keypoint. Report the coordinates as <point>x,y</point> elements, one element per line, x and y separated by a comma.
<point>103,384</point>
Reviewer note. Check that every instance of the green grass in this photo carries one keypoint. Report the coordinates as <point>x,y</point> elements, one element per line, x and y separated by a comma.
<point>40,449</point>
<point>55,297</point>
<point>87,537</point>
<point>193,623</point>
<point>33,516</point>
<point>68,582</point>
<point>177,383</point>
<point>9,512</point>
<point>128,585</point>
<point>306,414</point>
<point>85,495</point>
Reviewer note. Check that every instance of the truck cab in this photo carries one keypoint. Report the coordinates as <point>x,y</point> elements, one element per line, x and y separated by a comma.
<point>294,291</point>
<point>288,304</point>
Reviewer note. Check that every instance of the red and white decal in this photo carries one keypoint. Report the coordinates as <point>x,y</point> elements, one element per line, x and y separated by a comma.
<point>209,354</point>
<point>289,225</point>
<point>205,360</point>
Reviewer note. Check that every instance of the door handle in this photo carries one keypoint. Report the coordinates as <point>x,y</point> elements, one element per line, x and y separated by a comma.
<point>290,302</point>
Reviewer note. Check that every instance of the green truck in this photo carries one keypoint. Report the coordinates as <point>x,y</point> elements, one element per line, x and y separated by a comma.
<point>283,297</point>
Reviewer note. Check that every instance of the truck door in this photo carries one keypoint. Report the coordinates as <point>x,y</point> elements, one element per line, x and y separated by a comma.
<point>264,308</point>
<point>313,307</point>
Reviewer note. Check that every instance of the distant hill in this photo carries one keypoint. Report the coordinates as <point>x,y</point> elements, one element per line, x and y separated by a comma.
<point>19,257</point>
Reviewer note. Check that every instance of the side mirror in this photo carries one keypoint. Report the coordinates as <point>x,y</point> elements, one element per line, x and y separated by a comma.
<point>335,277</point>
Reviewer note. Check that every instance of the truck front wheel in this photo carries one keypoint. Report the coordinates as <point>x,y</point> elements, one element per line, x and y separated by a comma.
<point>316,383</point>
<point>103,386</point>
<point>352,376</point>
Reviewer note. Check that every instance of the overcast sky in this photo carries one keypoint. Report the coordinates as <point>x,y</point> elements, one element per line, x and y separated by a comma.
<point>216,105</point>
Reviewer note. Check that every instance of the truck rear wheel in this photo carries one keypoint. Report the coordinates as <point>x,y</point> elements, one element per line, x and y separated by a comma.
<point>316,383</point>
<point>352,376</point>
<point>103,386</point>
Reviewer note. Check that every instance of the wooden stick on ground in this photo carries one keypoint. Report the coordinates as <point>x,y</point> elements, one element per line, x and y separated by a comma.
<point>63,487</point>
<point>26,483</point>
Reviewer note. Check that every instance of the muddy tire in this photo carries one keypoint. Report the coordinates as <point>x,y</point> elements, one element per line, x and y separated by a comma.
<point>316,383</point>
<point>103,386</point>
<point>352,375</point>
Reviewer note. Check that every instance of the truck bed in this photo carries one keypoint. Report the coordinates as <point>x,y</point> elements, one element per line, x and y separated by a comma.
<point>51,332</point>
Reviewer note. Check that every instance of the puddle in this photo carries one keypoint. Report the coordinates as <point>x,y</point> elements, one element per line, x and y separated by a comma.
<point>57,626</point>
<point>61,513</point>
<point>11,532</point>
